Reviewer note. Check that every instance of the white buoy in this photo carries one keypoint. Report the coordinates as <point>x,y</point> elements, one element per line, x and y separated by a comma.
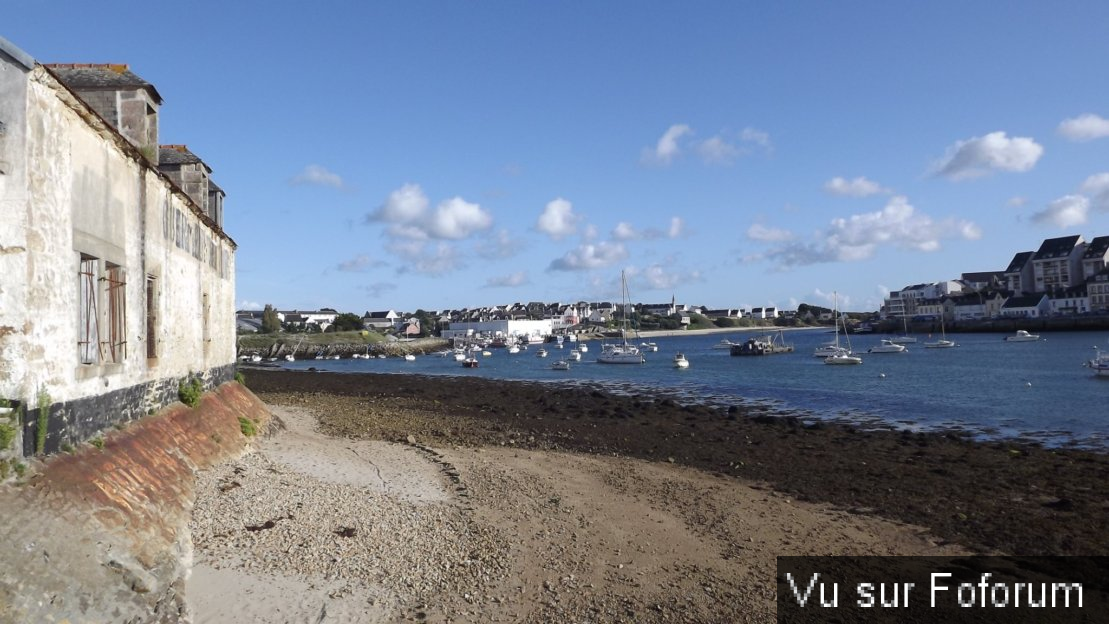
<point>881,375</point>
<point>1028,384</point>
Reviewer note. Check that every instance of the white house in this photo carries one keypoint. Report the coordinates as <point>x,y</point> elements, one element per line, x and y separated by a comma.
<point>380,320</point>
<point>1026,306</point>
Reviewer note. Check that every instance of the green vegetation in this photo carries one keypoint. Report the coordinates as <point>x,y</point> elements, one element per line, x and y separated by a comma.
<point>189,391</point>
<point>240,378</point>
<point>270,323</point>
<point>307,341</point>
<point>43,421</point>
<point>7,434</point>
<point>346,322</point>
<point>247,427</point>
<point>67,447</point>
<point>697,321</point>
<point>19,467</point>
<point>98,442</point>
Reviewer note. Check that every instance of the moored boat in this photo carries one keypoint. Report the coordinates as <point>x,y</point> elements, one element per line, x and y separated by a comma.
<point>470,362</point>
<point>1100,363</point>
<point>560,365</point>
<point>887,346</point>
<point>680,361</point>
<point>1022,336</point>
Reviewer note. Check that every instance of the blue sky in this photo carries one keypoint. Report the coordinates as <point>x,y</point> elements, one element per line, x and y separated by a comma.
<point>436,155</point>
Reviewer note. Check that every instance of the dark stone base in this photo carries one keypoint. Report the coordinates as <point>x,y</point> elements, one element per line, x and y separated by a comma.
<point>70,423</point>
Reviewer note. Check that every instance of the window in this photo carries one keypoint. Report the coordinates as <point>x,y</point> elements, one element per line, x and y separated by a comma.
<point>88,333</point>
<point>115,282</point>
<point>151,318</point>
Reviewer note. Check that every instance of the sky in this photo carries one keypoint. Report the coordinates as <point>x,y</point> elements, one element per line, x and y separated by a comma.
<point>444,155</point>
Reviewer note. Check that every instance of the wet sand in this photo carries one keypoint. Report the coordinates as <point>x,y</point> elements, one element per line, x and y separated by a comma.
<point>1005,497</point>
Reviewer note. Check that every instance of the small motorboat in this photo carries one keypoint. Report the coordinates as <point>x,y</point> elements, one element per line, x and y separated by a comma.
<point>561,365</point>
<point>680,361</point>
<point>409,358</point>
<point>1100,363</point>
<point>575,355</point>
<point>648,347</point>
<point>1022,336</point>
<point>470,362</point>
<point>541,352</point>
<point>887,346</point>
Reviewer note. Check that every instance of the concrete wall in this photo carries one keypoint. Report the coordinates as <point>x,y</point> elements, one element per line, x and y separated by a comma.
<point>80,188</point>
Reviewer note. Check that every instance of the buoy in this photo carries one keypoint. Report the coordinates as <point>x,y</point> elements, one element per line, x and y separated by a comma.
<point>1028,384</point>
<point>881,375</point>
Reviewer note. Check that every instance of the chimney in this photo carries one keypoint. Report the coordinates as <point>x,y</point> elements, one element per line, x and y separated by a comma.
<point>122,98</point>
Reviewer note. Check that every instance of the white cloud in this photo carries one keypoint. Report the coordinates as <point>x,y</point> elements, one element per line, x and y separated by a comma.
<point>1085,128</point>
<point>857,237</point>
<point>558,219</point>
<point>667,147</point>
<point>760,232</point>
<point>404,205</point>
<point>590,256</point>
<point>981,156</point>
<point>250,305</point>
<point>359,263</point>
<point>316,175</point>
<point>758,137</point>
<point>1064,212</point>
<point>857,187</point>
<point>717,151</point>
<point>1097,188</point>
<point>677,228</point>
<point>456,218</point>
<point>426,258</point>
<point>624,231</point>
<point>1016,202</point>
<point>500,245</point>
<point>507,281</point>
<point>590,232</point>
<point>659,277</point>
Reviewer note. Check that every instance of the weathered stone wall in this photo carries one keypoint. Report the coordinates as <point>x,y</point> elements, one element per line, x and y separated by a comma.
<point>101,535</point>
<point>81,188</point>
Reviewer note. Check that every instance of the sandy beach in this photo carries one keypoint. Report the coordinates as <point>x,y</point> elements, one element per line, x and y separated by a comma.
<point>391,498</point>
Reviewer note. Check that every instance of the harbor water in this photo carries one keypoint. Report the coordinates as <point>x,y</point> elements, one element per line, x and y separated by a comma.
<point>987,387</point>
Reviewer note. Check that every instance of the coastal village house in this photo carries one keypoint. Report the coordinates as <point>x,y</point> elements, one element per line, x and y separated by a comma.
<point>1065,276</point>
<point>118,278</point>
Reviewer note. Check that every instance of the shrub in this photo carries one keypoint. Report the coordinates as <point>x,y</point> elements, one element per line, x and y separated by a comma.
<point>247,427</point>
<point>240,378</point>
<point>189,391</point>
<point>19,468</point>
<point>98,442</point>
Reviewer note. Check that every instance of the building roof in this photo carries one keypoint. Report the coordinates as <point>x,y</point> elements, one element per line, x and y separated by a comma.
<point>1057,247</point>
<point>101,77</point>
<point>1096,248</point>
<point>1026,301</point>
<point>1019,261</point>
<point>177,155</point>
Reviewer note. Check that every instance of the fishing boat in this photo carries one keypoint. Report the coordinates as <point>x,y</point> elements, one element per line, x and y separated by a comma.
<point>844,356</point>
<point>1100,363</point>
<point>622,353</point>
<point>680,361</point>
<point>769,344</point>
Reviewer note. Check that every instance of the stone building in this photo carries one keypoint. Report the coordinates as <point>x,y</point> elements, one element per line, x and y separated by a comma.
<point>117,280</point>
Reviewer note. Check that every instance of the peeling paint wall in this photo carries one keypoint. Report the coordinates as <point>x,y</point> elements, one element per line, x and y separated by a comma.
<point>75,188</point>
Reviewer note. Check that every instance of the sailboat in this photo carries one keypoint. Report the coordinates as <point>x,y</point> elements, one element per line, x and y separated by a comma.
<point>904,338</point>
<point>943,342</point>
<point>623,353</point>
<point>843,356</point>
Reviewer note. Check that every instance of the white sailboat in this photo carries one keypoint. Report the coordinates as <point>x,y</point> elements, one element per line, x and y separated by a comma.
<point>843,356</point>
<point>943,342</point>
<point>904,338</point>
<point>623,353</point>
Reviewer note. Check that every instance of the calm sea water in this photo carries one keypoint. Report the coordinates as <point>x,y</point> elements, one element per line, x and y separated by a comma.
<point>988,387</point>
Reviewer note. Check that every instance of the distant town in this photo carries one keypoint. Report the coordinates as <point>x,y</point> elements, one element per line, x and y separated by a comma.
<point>1065,277</point>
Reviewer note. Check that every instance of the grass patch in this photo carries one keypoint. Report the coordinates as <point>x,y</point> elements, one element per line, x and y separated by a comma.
<point>240,378</point>
<point>307,341</point>
<point>247,427</point>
